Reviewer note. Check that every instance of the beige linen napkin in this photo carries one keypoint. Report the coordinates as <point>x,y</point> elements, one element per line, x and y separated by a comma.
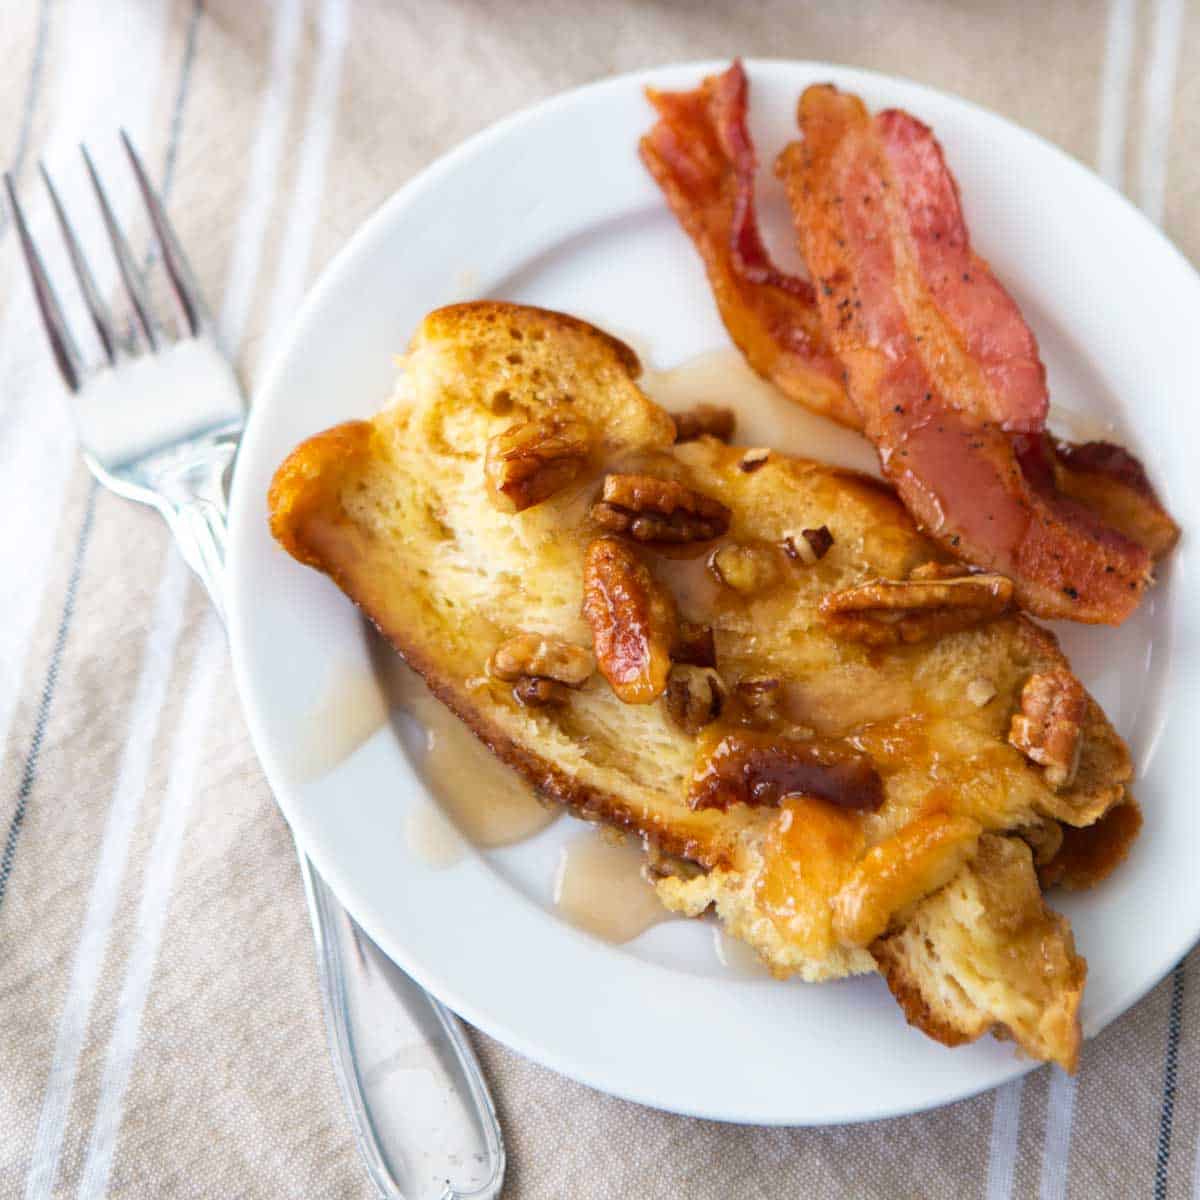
<point>160,1030</point>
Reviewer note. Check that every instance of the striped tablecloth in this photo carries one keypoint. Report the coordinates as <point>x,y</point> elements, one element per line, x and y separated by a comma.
<point>160,1032</point>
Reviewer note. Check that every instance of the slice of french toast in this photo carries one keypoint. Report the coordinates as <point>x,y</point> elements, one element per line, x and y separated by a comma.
<point>755,662</point>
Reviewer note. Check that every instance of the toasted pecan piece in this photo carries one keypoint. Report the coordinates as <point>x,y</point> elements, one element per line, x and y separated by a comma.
<point>541,668</point>
<point>529,462</point>
<point>809,545</point>
<point>705,420</point>
<point>754,768</point>
<point>759,696</point>
<point>535,691</point>
<point>694,697</point>
<point>748,568</point>
<point>883,612</point>
<point>536,654</point>
<point>649,509</point>
<point>1049,728</point>
<point>633,619</point>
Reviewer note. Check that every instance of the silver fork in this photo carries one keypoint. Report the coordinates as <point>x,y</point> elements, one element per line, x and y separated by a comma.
<point>175,455</point>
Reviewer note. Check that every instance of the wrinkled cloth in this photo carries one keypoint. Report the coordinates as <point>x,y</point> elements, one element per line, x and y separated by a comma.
<point>162,1031</point>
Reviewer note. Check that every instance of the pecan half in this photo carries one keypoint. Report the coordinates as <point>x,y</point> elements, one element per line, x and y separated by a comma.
<point>810,546</point>
<point>541,668</point>
<point>528,463</point>
<point>757,769</point>
<point>705,420</point>
<point>633,621</point>
<point>694,645</point>
<point>536,655</point>
<point>649,509</point>
<point>1049,728</point>
<point>883,612</point>
<point>694,698</point>
<point>747,568</point>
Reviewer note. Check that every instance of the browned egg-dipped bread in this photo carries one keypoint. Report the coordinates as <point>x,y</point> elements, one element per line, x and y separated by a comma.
<point>850,748</point>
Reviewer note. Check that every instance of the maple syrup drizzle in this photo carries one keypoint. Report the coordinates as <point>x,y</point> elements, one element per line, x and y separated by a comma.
<point>765,417</point>
<point>487,801</point>
<point>352,709</point>
<point>599,887</point>
<point>432,837</point>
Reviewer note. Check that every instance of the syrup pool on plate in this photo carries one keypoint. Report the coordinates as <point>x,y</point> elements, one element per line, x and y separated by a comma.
<point>352,708</point>
<point>765,417</point>
<point>487,801</point>
<point>600,887</point>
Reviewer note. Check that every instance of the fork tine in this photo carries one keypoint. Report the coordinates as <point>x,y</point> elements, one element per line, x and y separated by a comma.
<point>179,271</point>
<point>66,355</point>
<point>129,272</point>
<point>101,317</point>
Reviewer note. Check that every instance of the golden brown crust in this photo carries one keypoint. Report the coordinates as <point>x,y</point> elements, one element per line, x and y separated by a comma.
<point>473,316</point>
<point>918,1011</point>
<point>308,481</point>
<point>985,954</point>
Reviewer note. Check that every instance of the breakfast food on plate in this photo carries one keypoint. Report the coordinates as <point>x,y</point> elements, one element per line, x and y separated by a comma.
<point>850,746</point>
<point>905,333</point>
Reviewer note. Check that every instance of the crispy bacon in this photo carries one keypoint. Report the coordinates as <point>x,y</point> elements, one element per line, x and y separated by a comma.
<point>701,154</point>
<point>1112,483</point>
<point>951,387</point>
<point>986,357</point>
<point>940,364</point>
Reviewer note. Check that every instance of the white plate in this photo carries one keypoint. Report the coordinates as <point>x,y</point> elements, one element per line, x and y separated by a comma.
<point>553,207</point>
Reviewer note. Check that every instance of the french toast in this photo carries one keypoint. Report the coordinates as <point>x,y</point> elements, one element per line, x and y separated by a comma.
<point>852,748</point>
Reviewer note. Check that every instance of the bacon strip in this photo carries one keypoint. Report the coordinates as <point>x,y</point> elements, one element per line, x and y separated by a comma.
<point>702,157</point>
<point>973,345</point>
<point>940,364</point>
<point>988,356</point>
<point>1112,483</point>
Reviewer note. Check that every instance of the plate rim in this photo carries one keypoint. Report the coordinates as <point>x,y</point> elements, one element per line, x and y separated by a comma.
<point>275,369</point>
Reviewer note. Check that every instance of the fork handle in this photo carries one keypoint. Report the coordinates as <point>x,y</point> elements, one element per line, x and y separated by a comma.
<point>421,1112</point>
<point>422,1116</point>
<point>200,528</point>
